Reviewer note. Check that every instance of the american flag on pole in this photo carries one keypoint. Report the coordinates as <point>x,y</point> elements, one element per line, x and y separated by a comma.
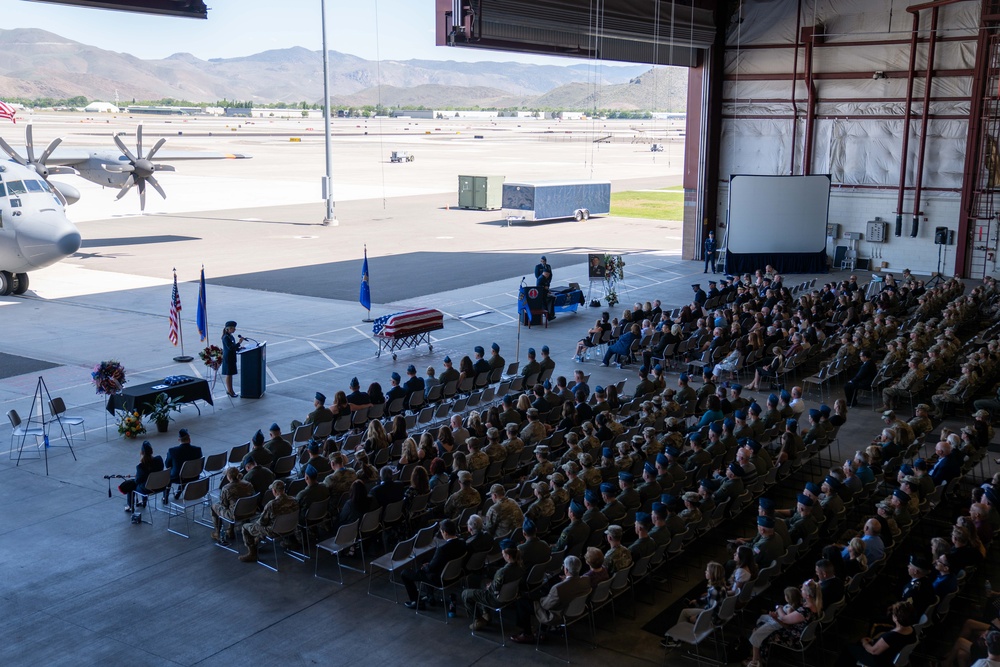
<point>175,312</point>
<point>7,111</point>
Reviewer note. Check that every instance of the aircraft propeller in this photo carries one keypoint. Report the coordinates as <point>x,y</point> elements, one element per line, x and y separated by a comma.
<point>38,165</point>
<point>140,168</point>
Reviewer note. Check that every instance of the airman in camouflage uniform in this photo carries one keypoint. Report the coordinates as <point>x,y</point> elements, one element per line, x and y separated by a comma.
<point>340,480</point>
<point>560,495</point>
<point>912,380</point>
<point>464,498</point>
<point>543,468</point>
<point>617,557</point>
<point>575,486</point>
<point>255,530</point>
<point>921,423</point>
<point>477,459</point>
<point>543,506</point>
<point>493,449</point>
<point>504,515</point>
<point>591,475</point>
<point>231,492</point>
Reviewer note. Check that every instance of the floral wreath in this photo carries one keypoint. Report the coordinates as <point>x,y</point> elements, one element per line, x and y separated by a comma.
<point>212,356</point>
<point>108,376</point>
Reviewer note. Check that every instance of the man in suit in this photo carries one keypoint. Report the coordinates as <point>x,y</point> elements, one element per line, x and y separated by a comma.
<point>550,607</point>
<point>388,490</point>
<point>448,550</point>
<point>862,378</point>
<point>179,455</point>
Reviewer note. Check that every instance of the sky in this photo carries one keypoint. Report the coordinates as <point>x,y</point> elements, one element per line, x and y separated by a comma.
<point>371,29</point>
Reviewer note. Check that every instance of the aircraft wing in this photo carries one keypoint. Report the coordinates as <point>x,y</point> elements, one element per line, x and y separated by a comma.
<point>74,156</point>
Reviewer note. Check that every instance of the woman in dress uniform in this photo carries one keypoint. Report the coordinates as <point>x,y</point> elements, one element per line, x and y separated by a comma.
<point>229,348</point>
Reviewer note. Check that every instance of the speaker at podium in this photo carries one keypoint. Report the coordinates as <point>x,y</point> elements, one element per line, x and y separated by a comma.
<point>253,371</point>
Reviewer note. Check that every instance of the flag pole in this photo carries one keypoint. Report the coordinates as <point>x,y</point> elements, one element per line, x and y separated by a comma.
<point>182,358</point>
<point>366,296</point>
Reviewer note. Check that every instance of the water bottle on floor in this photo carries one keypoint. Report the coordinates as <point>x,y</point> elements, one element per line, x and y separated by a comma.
<point>451,606</point>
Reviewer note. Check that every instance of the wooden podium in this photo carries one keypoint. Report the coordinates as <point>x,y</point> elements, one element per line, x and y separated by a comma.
<point>253,371</point>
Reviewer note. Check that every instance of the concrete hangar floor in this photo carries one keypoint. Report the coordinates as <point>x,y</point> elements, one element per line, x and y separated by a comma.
<point>81,583</point>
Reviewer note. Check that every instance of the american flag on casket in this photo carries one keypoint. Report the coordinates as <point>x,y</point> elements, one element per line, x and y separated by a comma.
<point>408,323</point>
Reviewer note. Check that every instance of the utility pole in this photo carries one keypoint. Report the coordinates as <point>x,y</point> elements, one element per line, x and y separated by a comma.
<point>331,217</point>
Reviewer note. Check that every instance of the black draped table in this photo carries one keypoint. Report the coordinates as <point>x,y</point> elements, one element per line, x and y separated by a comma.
<point>136,397</point>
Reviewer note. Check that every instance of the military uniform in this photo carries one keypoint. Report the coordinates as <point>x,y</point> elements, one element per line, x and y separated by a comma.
<point>801,526</point>
<point>227,501</point>
<point>542,470</point>
<point>617,558</point>
<point>686,394</point>
<point>278,447</point>
<point>339,481</point>
<point>313,493</point>
<point>541,508</point>
<point>630,498</point>
<point>460,500</point>
<point>575,487</point>
<point>503,517</point>
<point>911,381</point>
<point>255,530</point>
<point>766,550</point>
<point>649,490</point>
<point>921,426</point>
<point>730,488</point>
<point>575,534</point>
<point>592,477</point>
<point>495,452</point>
<point>510,416</point>
<point>560,496</point>
<point>533,433</point>
<point>534,551</point>
<point>513,446</point>
<point>660,535</point>
<point>595,520</point>
<point>690,516</point>
<point>478,461</point>
<point>642,547</point>
<point>449,375</point>
<point>487,597</point>
<point>260,478</point>
<point>614,511</point>
<point>531,368</point>
<point>697,459</point>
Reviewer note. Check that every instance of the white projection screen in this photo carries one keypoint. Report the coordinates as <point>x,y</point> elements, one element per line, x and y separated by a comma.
<point>778,214</point>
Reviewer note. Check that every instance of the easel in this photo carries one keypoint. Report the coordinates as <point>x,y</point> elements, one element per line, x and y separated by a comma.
<point>39,400</point>
<point>600,289</point>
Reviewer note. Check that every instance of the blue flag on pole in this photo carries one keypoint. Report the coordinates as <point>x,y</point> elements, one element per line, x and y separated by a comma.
<point>202,309</point>
<point>366,296</point>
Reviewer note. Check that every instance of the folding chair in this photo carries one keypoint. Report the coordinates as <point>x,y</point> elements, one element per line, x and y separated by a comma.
<point>58,409</point>
<point>156,484</point>
<point>245,510</point>
<point>507,596</point>
<point>401,556</point>
<point>346,537</point>
<point>451,576</point>
<point>192,495</point>
<point>284,526</point>
<point>575,610</point>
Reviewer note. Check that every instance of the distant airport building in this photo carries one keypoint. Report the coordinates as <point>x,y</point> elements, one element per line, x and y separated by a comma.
<point>100,107</point>
<point>164,111</point>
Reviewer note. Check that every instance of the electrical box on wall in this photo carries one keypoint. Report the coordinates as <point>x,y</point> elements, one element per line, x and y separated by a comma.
<point>833,230</point>
<point>875,231</point>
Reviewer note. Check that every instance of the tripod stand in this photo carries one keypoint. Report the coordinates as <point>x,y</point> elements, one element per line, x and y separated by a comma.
<point>38,400</point>
<point>936,278</point>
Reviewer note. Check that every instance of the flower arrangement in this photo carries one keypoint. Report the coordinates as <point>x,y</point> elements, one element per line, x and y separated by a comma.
<point>212,356</point>
<point>130,424</point>
<point>108,376</point>
<point>613,272</point>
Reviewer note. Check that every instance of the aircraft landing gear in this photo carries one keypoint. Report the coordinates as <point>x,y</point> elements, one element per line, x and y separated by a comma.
<point>6,283</point>
<point>22,284</point>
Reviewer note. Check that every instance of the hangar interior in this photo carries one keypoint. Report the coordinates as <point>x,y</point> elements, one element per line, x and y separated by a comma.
<point>896,101</point>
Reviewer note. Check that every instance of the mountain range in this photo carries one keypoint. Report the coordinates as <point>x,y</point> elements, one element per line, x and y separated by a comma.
<point>36,63</point>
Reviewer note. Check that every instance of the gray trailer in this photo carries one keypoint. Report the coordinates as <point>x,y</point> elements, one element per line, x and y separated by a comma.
<point>553,200</point>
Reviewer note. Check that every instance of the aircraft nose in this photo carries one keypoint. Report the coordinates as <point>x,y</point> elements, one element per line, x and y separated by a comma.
<point>69,242</point>
<point>49,238</point>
